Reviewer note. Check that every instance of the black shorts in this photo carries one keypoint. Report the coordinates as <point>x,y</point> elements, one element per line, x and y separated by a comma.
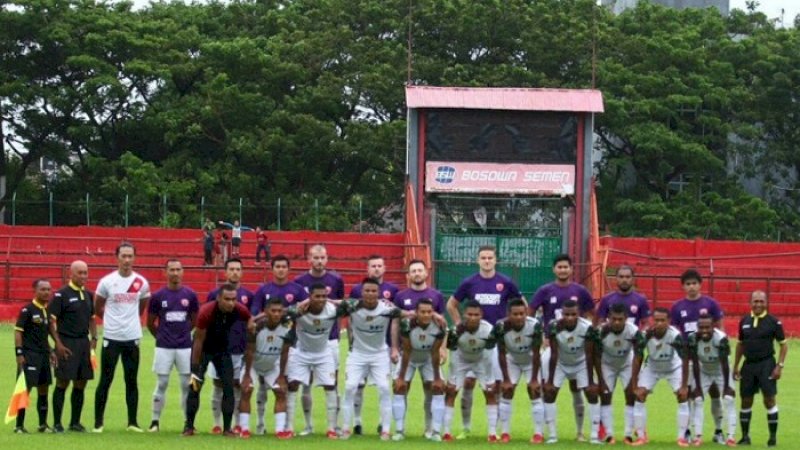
<point>236,242</point>
<point>77,366</point>
<point>37,369</point>
<point>756,376</point>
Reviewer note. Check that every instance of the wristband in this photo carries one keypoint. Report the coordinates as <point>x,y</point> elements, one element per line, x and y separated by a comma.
<point>18,351</point>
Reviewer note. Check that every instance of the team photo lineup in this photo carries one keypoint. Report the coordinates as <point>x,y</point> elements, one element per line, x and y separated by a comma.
<point>283,340</point>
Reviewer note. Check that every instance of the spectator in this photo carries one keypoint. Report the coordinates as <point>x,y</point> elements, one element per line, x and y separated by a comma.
<point>236,234</point>
<point>208,247</point>
<point>262,242</point>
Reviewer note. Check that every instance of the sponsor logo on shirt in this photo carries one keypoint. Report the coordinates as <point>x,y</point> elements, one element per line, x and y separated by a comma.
<point>73,299</point>
<point>684,313</point>
<point>488,299</point>
<point>126,297</point>
<point>407,302</point>
<point>175,316</point>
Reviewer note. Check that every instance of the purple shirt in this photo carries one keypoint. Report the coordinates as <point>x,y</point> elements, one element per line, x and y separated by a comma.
<point>387,291</point>
<point>635,303</point>
<point>551,297</point>
<point>335,288</point>
<point>407,299</point>
<point>174,310</point>
<point>290,292</point>
<point>684,313</point>
<point>492,293</point>
<point>237,339</point>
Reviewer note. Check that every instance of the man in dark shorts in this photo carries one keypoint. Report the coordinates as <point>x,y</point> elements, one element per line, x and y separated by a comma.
<point>210,345</point>
<point>760,372</point>
<point>33,352</point>
<point>262,245</point>
<point>74,331</point>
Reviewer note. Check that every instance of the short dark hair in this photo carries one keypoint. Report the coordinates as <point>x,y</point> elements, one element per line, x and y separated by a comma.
<point>562,257</point>
<point>487,248</point>
<point>472,303</point>
<point>516,301</point>
<point>424,301</point>
<point>232,260</point>
<point>691,274</point>
<point>618,308</point>
<point>570,304</point>
<point>417,261</point>
<point>36,282</point>
<point>277,258</point>
<point>274,301</point>
<point>374,256</point>
<point>226,287</point>
<point>122,245</point>
<point>661,309</point>
<point>172,260</point>
<point>369,280</point>
<point>317,286</point>
<point>625,267</point>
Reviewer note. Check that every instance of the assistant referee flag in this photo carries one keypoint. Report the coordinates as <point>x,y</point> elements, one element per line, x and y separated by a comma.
<point>19,399</point>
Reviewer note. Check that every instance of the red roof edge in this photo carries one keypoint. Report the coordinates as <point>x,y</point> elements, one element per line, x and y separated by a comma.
<point>519,99</point>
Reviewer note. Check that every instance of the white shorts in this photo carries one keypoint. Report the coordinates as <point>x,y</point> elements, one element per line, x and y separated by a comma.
<point>269,377</point>
<point>497,372</point>
<point>425,370</point>
<point>461,370</point>
<point>611,374</point>
<point>517,372</point>
<point>648,378</point>
<point>362,365</point>
<point>238,365</point>
<point>577,373</point>
<point>333,346</point>
<point>302,365</point>
<point>707,379</point>
<point>165,358</point>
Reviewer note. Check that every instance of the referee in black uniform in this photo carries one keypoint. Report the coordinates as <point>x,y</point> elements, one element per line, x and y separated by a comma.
<point>33,352</point>
<point>74,330</point>
<point>757,331</point>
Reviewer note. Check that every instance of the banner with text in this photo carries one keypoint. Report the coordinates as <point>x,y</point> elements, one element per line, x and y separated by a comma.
<point>539,179</point>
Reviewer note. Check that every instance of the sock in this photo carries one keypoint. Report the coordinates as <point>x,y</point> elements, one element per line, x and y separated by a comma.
<point>58,403</point>
<point>428,415</point>
<point>237,397</point>
<point>160,395</point>
<point>594,417</point>
<point>332,408</point>
<point>385,402</point>
<point>437,412</point>
<point>216,405</point>
<point>280,421</point>
<point>491,417</point>
<point>644,428</point>
<point>261,406</point>
<point>716,412</point>
<point>244,421</point>
<point>399,412</point>
<point>607,416</point>
<point>448,418</point>
<point>348,405</point>
<point>307,403</point>
<point>744,418</point>
<point>21,418</point>
<point>466,408</point>
<point>550,418</point>
<point>639,418</point>
<point>730,412</point>
<point>698,416</point>
<point>537,413</point>
<point>578,406</point>
<point>41,408</point>
<point>76,402</point>
<point>628,420</point>
<point>358,403</point>
<point>772,421</point>
<point>291,405</point>
<point>683,419</point>
<point>505,414</point>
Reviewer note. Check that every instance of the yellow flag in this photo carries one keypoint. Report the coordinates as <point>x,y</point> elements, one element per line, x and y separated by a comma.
<point>19,399</point>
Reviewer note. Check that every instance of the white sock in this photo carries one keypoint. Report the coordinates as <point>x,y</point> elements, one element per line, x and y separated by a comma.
<point>305,399</point>
<point>347,405</point>
<point>428,416</point>
<point>261,405</point>
<point>628,420</point>
<point>357,405</point>
<point>331,406</point>
<point>537,414</point>
<point>716,412</point>
<point>280,421</point>
<point>244,421</point>
<point>683,419</point>
<point>698,417</point>
<point>184,384</point>
<point>160,396</point>
<point>466,408</point>
<point>448,418</point>
<point>505,414</point>
<point>491,417</point>
<point>730,411</point>
<point>579,408</point>
<point>385,402</point>
<point>291,405</point>
<point>216,405</point>
<point>550,418</point>
<point>399,412</point>
<point>594,416</point>
<point>639,418</point>
<point>237,397</point>
<point>437,412</point>
<point>607,416</point>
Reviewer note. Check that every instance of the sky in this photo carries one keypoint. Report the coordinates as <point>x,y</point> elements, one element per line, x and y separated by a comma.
<point>772,8</point>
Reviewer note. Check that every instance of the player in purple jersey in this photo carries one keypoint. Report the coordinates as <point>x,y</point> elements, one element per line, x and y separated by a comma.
<point>291,293</point>
<point>635,303</point>
<point>237,343</point>
<point>684,315</point>
<point>171,317</point>
<point>492,290</point>
<point>550,298</point>
<point>334,285</point>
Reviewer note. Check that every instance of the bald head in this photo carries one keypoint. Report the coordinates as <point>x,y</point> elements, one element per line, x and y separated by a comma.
<point>78,273</point>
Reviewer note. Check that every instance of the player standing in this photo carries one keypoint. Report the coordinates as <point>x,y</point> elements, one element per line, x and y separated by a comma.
<point>120,300</point>
<point>171,317</point>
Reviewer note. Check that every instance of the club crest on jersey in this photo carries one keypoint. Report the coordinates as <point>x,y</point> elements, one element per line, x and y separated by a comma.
<point>617,343</point>
<point>328,290</point>
<point>707,349</point>
<point>499,287</point>
<point>317,322</point>
<point>370,318</point>
<point>634,309</point>
<point>658,346</point>
<point>518,339</point>
<point>184,302</point>
<point>244,299</point>
<point>472,342</point>
<point>289,298</point>
<point>421,337</point>
<point>570,339</point>
<point>387,294</point>
<point>703,311</point>
<point>270,338</point>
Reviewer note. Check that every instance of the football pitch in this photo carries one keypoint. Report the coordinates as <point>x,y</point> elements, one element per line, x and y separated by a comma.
<point>661,409</point>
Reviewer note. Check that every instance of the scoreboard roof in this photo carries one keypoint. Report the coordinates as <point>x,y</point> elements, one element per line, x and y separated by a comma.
<point>519,99</point>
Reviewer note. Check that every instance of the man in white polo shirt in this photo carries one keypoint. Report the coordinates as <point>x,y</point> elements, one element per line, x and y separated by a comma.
<point>120,300</point>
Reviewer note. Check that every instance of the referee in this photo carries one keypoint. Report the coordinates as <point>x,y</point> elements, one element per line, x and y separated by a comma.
<point>757,331</point>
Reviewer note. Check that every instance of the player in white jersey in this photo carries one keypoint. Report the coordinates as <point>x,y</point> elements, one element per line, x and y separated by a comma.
<point>311,355</point>
<point>472,344</point>
<point>573,341</point>
<point>709,350</point>
<point>518,340</point>
<point>622,344</point>
<point>422,342</point>
<point>265,360</point>
<point>667,359</point>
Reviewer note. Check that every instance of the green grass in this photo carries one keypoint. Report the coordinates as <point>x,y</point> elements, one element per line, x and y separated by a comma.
<point>661,417</point>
